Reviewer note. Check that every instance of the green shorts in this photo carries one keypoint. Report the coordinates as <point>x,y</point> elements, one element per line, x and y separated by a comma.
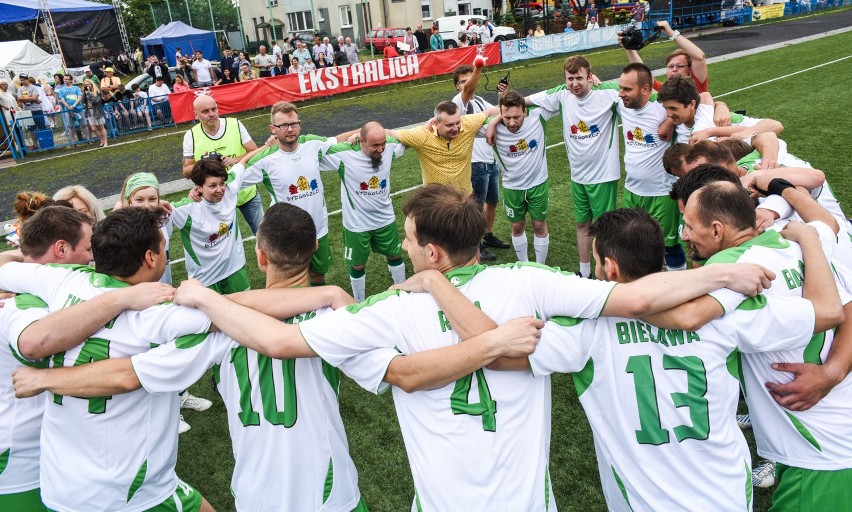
<point>517,203</point>
<point>321,260</point>
<point>662,208</point>
<point>592,201</point>
<point>236,282</point>
<point>361,507</point>
<point>356,246</point>
<point>184,499</point>
<point>807,489</point>
<point>23,501</point>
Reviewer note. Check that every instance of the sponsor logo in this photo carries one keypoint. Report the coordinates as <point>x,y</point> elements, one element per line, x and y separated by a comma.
<point>372,187</point>
<point>217,237</point>
<point>637,137</point>
<point>581,131</point>
<point>522,147</point>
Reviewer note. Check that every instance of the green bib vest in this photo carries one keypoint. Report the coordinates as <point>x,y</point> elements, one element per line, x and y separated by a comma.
<point>229,144</point>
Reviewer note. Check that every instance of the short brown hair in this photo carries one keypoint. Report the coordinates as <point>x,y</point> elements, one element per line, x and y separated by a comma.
<point>673,158</point>
<point>446,107</point>
<point>206,168</point>
<point>712,153</point>
<point>288,237</point>
<point>679,89</point>
<point>285,107</point>
<point>678,53</point>
<point>576,63</point>
<point>738,148</point>
<point>728,203</point>
<point>643,73</point>
<point>49,225</point>
<point>447,217</point>
<point>461,70</point>
<point>512,99</point>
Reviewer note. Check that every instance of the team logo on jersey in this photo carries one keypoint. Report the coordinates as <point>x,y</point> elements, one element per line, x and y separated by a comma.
<point>223,232</point>
<point>522,147</point>
<point>583,131</point>
<point>372,187</point>
<point>302,188</point>
<point>638,138</point>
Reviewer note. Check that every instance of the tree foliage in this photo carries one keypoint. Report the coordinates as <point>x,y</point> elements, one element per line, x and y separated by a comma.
<point>139,21</point>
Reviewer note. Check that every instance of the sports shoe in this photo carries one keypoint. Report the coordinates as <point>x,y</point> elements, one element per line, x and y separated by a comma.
<point>484,255</point>
<point>183,426</point>
<point>763,475</point>
<point>491,240</point>
<point>744,421</point>
<point>195,403</point>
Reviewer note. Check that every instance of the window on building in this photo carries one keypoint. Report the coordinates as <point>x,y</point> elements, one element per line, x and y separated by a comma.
<point>426,7</point>
<point>464,9</point>
<point>299,21</point>
<point>272,3</point>
<point>345,16</point>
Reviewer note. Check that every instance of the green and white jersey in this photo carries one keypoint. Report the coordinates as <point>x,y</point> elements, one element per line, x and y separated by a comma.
<point>115,452</point>
<point>294,177</point>
<point>212,244</point>
<point>703,119</point>
<point>590,131</point>
<point>167,228</point>
<point>643,150</point>
<point>667,399</point>
<point>483,441</point>
<point>365,188</point>
<point>522,156</point>
<point>20,420</point>
<point>288,439</point>
<point>807,439</point>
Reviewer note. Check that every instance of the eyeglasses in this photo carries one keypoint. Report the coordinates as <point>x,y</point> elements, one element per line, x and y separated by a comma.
<point>676,66</point>
<point>288,126</point>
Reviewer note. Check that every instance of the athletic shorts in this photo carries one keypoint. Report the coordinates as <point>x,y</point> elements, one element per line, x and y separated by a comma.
<point>26,500</point>
<point>662,208</point>
<point>236,282</point>
<point>592,201</point>
<point>184,499</point>
<point>517,203</point>
<point>321,260</point>
<point>357,246</point>
<point>807,489</point>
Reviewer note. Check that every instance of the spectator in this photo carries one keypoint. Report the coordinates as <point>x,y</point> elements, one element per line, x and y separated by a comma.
<point>422,39</point>
<point>178,55</point>
<point>185,69</point>
<point>317,50</point>
<point>530,33</point>
<point>591,14</point>
<point>246,72</point>
<point>483,32</point>
<point>411,41</point>
<point>70,98</point>
<point>463,26</point>
<point>158,94</point>
<point>202,70</point>
<point>140,106</point>
<point>29,99</point>
<point>110,82</point>
<point>276,51</point>
<point>301,53</point>
<point>328,49</point>
<point>227,77</point>
<point>309,66</point>
<point>238,62</point>
<point>123,62</point>
<point>436,42</point>
<point>295,67</point>
<point>138,56</point>
<point>48,103</point>
<point>263,62</point>
<point>390,52</point>
<point>338,45</point>
<point>321,62</point>
<point>569,27</point>
<point>228,60</point>
<point>463,40</point>
<point>180,84</point>
<point>81,200</point>
<point>351,51</point>
<point>279,68</point>
<point>538,31</point>
<point>340,58</point>
<point>637,14</point>
<point>593,24</point>
<point>91,76</point>
<point>116,110</point>
<point>606,22</point>
<point>155,69</point>
<point>93,110</point>
<point>294,41</point>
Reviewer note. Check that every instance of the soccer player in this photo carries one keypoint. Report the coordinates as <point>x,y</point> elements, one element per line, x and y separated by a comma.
<point>483,172</point>
<point>520,147</point>
<point>290,170</point>
<point>662,395</point>
<point>590,132</point>
<point>450,431</point>
<point>368,217</point>
<point>814,463</point>
<point>209,229</point>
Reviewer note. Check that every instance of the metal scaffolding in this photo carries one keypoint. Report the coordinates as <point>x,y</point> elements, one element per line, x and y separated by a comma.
<point>49,28</point>
<point>121,29</point>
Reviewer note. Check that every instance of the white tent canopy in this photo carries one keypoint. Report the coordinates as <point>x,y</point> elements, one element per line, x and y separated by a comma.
<point>25,57</point>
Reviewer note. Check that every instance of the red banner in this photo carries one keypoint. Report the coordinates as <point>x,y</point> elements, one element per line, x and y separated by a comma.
<point>328,81</point>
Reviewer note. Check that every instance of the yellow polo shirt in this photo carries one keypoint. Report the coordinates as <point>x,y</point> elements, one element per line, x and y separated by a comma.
<point>443,161</point>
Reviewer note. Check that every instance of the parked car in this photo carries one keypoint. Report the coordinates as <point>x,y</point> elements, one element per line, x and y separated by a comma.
<point>308,37</point>
<point>144,80</point>
<point>381,37</point>
<point>449,29</point>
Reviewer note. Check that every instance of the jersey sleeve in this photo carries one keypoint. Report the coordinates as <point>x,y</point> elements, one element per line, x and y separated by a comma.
<point>549,100</point>
<point>774,323</point>
<point>188,145</point>
<point>562,294</point>
<point>703,118</point>
<point>245,138</point>
<point>39,280</point>
<point>252,175</point>
<point>413,137</point>
<point>564,346</point>
<point>177,365</point>
<point>369,368</point>
<point>18,314</point>
<point>166,322</point>
<point>396,147</point>
<point>728,299</point>
<point>777,204</point>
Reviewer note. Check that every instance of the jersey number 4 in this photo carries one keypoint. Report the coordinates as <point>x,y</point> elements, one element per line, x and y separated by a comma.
<point>247,414</point>
<point>649,410</point>
<point>486,407</point>
<point>93,349</point>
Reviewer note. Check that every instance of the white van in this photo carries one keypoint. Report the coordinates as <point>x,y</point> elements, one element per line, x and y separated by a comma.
<point>449,27</point>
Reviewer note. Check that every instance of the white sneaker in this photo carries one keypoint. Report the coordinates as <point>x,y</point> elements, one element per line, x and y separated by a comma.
<point>763,475</point>
<point>188,401</point>
<point>744,421</point>
<point>183,426</point>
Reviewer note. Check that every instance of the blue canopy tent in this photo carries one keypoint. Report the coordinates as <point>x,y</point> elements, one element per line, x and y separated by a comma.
<point>165,41</point>
<point>78,23</point>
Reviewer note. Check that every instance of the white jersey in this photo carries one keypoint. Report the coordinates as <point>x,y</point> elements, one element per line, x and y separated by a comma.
<point>364,189</point>
<point>288,439</point>
<point>643,150</point>
<point>481,150</point>
<point>212,244</point>
<point>590,128</point>
<point>20,420</point>
<point>294,178</point>
<point>485,439</point>
<point>806,439</point>
<point>522,156</point>
<point>167,228</point>
<point>658,398</point>
<point>703,119</point>
<point>106,453</point>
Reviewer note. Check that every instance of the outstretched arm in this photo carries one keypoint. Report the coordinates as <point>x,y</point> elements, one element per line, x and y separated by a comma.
<point>101,378</point>
<point>696,55</point>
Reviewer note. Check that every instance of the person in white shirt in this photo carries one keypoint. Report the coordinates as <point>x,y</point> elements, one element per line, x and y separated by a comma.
<point>263,62</point>
<point>276,51</point>
<point>202,70</point>
<point>158,93</point>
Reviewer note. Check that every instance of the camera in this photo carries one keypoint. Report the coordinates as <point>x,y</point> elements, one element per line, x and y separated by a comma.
<point>632,39</point>
<point>213,156</point>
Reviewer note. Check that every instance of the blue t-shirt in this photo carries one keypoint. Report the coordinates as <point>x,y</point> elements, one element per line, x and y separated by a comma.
<point>70,93</point>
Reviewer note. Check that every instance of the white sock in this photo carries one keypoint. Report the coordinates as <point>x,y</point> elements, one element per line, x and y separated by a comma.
<point>585,269</point>
<point>540,245</point>
<point>520,244</point>
<point>680,267</point>
<point>359,287</point>
<point>397,273</point>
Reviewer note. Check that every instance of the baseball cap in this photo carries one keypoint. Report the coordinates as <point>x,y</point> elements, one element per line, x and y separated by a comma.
<point>23,75</point>
<point>108,70</point>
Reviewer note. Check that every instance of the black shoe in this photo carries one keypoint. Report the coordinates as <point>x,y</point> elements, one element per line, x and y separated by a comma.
<point>484,255</point>
<point>491,240</point>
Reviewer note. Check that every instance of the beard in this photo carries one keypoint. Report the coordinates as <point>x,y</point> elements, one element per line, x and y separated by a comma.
<point>376,162</point>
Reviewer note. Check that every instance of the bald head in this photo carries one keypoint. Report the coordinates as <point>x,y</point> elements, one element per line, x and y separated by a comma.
<point>373,141</point>
<point>206,111</point>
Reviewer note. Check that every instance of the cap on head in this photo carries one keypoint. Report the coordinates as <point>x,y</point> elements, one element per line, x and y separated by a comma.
<point>108,70</point>
<point>23,76</point>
